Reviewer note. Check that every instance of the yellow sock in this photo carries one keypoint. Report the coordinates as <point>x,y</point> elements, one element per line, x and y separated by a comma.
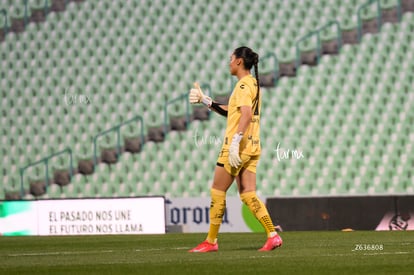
<point>260,211</point>
<point>217,208</point>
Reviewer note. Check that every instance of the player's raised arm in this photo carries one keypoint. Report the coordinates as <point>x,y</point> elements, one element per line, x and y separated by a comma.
<point>197,96</point>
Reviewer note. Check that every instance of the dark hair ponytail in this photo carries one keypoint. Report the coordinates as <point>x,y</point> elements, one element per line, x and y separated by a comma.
<point>256,72</point>
<point>251,59</point>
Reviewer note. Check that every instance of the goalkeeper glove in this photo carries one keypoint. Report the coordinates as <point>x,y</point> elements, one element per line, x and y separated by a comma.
<point>234,157</point>
<point>197,96</point>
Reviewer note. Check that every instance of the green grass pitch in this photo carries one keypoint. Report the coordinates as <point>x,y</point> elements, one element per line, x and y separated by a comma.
<point>358,252</point>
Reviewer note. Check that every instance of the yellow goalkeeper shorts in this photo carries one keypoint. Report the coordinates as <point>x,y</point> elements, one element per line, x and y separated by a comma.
<point>248,162</point>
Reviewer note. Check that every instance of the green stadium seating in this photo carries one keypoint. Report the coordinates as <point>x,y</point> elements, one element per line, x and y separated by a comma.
<point>127,64</point>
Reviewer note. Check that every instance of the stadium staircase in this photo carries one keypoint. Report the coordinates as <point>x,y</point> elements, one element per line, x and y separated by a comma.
<point>346,122</point>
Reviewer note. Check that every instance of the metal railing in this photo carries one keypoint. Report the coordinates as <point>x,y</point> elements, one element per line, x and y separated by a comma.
<point>379,15</point>
<point>317,32</point>
<point>361,8</point>
<point>26,10</point>
<point>117,129</point>
<point>46,163</point>
<point>26,13</point>
<point>272,55</point>
<point>399,10</point>
<point>182,97</point>
<point>6,25</point>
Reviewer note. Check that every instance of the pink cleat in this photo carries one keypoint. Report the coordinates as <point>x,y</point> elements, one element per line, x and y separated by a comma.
<point>272,243</point>
<point>205,247</point>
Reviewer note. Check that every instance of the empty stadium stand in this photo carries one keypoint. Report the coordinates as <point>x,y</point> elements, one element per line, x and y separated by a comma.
<point>70,70</point>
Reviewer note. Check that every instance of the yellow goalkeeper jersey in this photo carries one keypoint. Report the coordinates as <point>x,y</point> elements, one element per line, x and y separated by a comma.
<point>244,94</point>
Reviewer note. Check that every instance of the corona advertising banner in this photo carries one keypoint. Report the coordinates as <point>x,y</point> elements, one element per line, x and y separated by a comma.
<point>192,215</point>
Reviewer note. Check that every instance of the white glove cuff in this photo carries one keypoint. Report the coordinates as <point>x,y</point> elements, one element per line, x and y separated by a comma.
<point>237,138</point>
<point>206,101</point>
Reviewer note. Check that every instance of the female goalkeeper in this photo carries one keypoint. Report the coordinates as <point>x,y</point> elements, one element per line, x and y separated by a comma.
<point>240,153</point>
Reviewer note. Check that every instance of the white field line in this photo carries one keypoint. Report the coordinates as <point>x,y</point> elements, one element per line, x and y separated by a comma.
<point>161,249</point>
<point>57,253</point>
<point>269,255</point>
<point>386,253</point>
<point>365,254</point>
